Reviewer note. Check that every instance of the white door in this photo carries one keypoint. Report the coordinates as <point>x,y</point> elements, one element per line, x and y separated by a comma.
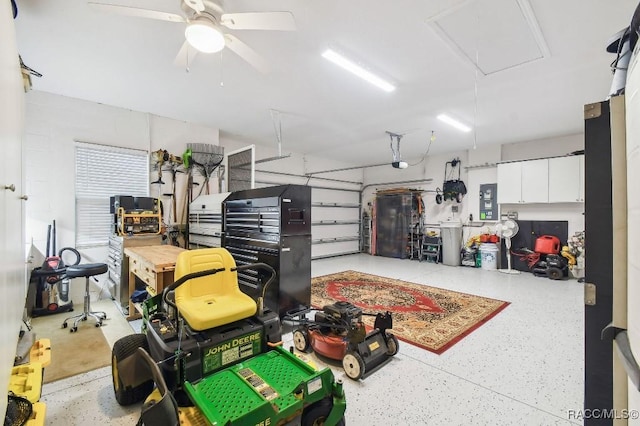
<point>535,181</point>
<point>509,183</point>
<point>564,179</point>
<point>12,266</point>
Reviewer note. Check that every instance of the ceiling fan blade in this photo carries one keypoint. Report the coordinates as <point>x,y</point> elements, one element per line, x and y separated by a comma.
<point>246,53</point>
<point>196,5</point>
<point>137,12</point>
<point>185,56</point>
<point>277,21</point>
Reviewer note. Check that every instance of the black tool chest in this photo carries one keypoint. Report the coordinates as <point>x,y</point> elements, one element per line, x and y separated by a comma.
<point>272,225</point>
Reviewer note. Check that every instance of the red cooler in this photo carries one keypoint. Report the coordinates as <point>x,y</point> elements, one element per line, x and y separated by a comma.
<point>547,244</point>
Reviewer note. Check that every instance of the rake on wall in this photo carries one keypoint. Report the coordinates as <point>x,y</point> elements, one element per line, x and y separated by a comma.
<point>205,158</point>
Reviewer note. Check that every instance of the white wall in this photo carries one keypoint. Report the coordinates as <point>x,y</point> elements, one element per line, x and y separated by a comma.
<point>541,148</point>
<point>53,123</point>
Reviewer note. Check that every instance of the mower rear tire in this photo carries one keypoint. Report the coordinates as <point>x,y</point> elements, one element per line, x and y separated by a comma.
<point>316,414</point>
<point>353,365</point>
<point>554,273</point>
<point>301,340</point>
<point>392,344</point>
<point>122,349</point>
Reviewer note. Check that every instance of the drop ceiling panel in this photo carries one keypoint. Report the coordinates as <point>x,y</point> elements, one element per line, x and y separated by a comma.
<point>492,34</point>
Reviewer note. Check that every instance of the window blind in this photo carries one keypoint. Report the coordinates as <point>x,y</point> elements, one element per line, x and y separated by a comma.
<point>101,172</point>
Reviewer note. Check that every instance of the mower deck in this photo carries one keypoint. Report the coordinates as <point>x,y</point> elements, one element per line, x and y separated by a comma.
<point>266,389</point>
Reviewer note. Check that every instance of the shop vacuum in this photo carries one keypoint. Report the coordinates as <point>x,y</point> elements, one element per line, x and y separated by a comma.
<point>50,280</point>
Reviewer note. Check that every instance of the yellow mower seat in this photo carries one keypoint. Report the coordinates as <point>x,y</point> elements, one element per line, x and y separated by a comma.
<point>212,300</point>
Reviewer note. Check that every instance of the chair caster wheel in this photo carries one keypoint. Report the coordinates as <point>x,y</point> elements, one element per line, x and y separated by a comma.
<point>64,325</point>
<point>84,319</point>
<point>98,324</point>
<point>73,329</point>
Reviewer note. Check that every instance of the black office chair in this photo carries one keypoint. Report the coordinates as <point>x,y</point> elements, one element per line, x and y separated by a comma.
<point>86,270</point>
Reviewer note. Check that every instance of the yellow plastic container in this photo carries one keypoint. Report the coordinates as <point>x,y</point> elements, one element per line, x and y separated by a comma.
<point>37,416</point>
<point>41,352</point>
<point>26,381</point>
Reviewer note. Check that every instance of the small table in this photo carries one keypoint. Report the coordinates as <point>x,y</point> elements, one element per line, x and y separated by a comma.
<point>152,264</point>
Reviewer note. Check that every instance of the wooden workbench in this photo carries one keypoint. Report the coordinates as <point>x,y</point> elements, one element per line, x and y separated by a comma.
<point>154,265</point>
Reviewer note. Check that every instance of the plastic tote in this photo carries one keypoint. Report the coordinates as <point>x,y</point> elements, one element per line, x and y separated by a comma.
<point>451,233</point>
<point>489,256</point>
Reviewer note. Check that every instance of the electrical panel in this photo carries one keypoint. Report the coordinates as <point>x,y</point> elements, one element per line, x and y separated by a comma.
<point>489,201</point>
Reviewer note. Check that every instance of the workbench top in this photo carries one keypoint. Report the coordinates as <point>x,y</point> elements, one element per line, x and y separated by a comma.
<point>161,258</point>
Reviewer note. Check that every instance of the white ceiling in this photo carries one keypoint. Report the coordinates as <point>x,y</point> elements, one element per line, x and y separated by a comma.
<point>128,62</point>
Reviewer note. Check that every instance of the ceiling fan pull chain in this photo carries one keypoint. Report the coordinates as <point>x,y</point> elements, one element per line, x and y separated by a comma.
<point>221,71</point>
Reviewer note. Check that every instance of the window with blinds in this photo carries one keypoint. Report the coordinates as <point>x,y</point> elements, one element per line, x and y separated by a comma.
<point>101,172</point>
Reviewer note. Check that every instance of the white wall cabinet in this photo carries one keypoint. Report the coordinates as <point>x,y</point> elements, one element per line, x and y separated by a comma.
<point>510,183</point>
<point>523,182</point>
<point>566,179</point>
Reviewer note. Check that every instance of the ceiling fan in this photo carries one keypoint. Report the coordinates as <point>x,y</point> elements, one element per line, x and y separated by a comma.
<point>204,20</point>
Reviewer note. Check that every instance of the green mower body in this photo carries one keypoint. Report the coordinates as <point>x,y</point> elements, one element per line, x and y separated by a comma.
<point>235,374</point>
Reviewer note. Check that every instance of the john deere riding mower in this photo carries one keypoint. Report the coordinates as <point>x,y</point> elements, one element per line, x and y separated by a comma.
<point>216,356</point>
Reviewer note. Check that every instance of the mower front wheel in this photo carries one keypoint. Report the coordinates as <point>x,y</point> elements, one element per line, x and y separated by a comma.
<point>353,365</point>
<point>123,348</point>
<point>301,340</point>
<point>316,414</point>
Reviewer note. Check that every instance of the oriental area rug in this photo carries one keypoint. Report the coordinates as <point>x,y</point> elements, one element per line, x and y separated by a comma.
<point>428,317</point>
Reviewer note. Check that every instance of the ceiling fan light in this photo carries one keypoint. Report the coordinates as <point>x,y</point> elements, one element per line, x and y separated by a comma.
<point>204,36</point>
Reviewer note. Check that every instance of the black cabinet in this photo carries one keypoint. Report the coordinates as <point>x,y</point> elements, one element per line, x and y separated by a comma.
<point>398,230</point>
<point>272,225</point>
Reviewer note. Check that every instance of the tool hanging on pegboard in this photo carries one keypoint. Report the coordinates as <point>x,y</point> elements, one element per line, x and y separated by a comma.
<point>452,189</point>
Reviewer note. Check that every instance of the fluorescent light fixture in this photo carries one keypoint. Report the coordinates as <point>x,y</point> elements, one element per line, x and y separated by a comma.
<point>356,69</point>
<point>204,36</point>
<point>455,123</point>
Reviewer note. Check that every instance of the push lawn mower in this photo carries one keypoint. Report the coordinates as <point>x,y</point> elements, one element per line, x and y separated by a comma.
<point>216,353</point>
<point>337,332</point>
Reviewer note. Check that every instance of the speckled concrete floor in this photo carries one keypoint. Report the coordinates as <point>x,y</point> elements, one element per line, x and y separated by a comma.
<point>523,367</point>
